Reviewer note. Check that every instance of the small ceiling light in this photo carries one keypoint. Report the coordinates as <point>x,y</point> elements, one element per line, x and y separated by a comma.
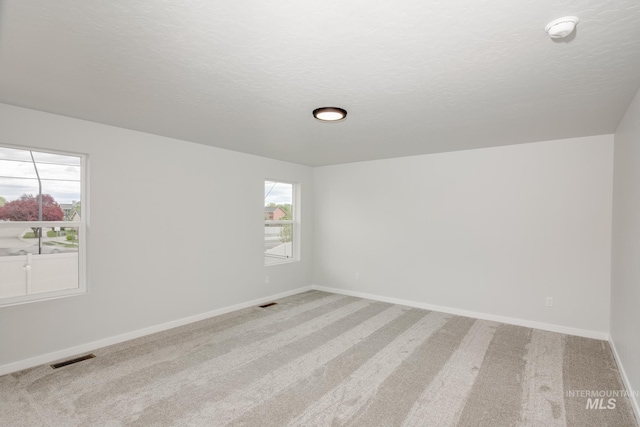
<point>329,114</point>
<point>561,27</point>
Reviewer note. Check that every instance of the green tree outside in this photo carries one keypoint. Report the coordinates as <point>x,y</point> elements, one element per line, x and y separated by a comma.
<point>286,233</point>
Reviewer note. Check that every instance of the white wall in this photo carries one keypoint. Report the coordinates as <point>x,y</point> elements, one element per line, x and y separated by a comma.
<point>176,229</point>
<point>488,231</point>
<point>625,266</point>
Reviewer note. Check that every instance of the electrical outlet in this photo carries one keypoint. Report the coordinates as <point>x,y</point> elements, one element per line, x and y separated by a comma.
<point>549,302</point>
<point>266,280</point>
<point>357,275</point>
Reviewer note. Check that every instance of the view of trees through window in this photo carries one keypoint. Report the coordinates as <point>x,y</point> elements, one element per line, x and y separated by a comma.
<point>279,221</point>
<point>40,219</point>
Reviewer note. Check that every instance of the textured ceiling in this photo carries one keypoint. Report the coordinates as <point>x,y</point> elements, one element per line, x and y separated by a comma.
<point>416,76</point>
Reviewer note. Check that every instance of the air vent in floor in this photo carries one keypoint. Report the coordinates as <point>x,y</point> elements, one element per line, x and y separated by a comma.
<point>72,361</point>
<point>267,305</point>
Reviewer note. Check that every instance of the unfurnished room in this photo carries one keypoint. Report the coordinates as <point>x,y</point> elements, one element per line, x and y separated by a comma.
<point>305,213</point>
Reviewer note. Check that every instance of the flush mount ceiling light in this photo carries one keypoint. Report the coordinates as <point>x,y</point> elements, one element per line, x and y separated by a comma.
<point>329,114</point>
<point>561,27</point>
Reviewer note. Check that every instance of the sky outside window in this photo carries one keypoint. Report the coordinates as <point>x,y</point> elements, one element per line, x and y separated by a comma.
<point>60,175</point>
<point>279,193</point>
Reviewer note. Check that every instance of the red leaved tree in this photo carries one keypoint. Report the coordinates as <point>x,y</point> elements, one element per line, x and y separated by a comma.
<point>26,209</point>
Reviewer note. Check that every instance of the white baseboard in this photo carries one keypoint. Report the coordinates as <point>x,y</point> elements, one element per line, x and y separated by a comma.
<point>632,393</point>
<point>91,346</point>
<point>484,316</point>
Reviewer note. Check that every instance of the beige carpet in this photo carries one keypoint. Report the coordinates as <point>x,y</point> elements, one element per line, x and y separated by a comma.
<point>319,359</point>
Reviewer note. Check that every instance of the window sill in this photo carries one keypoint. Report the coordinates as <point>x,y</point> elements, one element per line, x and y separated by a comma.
<point>28,299</point>
<point>268,262</point>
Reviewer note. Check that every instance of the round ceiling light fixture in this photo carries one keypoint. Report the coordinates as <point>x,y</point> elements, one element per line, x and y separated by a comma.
<point>330,114</point>
<point>561,27</point>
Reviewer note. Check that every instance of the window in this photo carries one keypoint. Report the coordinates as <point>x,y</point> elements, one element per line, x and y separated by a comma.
<point>280,231</point>
<point>42,225</point>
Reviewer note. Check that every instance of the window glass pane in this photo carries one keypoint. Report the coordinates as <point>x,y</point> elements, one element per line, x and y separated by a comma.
<point>37,260</point>
<point>278,194</point>
<point>278,237</point>
<point>59,180</point>
<point>278,242</point>
<point>278,201</point>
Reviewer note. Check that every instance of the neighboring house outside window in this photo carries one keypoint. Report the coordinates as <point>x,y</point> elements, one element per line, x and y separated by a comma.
<point>42,228</point>
<point>274,213</point>
<point>70,210</point>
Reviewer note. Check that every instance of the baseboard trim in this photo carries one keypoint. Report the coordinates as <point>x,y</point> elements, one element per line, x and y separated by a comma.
<point>91,346</point>
<point>477,315</point>
<point>632,396</point>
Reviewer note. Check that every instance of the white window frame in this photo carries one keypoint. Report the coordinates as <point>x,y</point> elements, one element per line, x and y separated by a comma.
<point>295,224</point>
<point>82,235</point>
